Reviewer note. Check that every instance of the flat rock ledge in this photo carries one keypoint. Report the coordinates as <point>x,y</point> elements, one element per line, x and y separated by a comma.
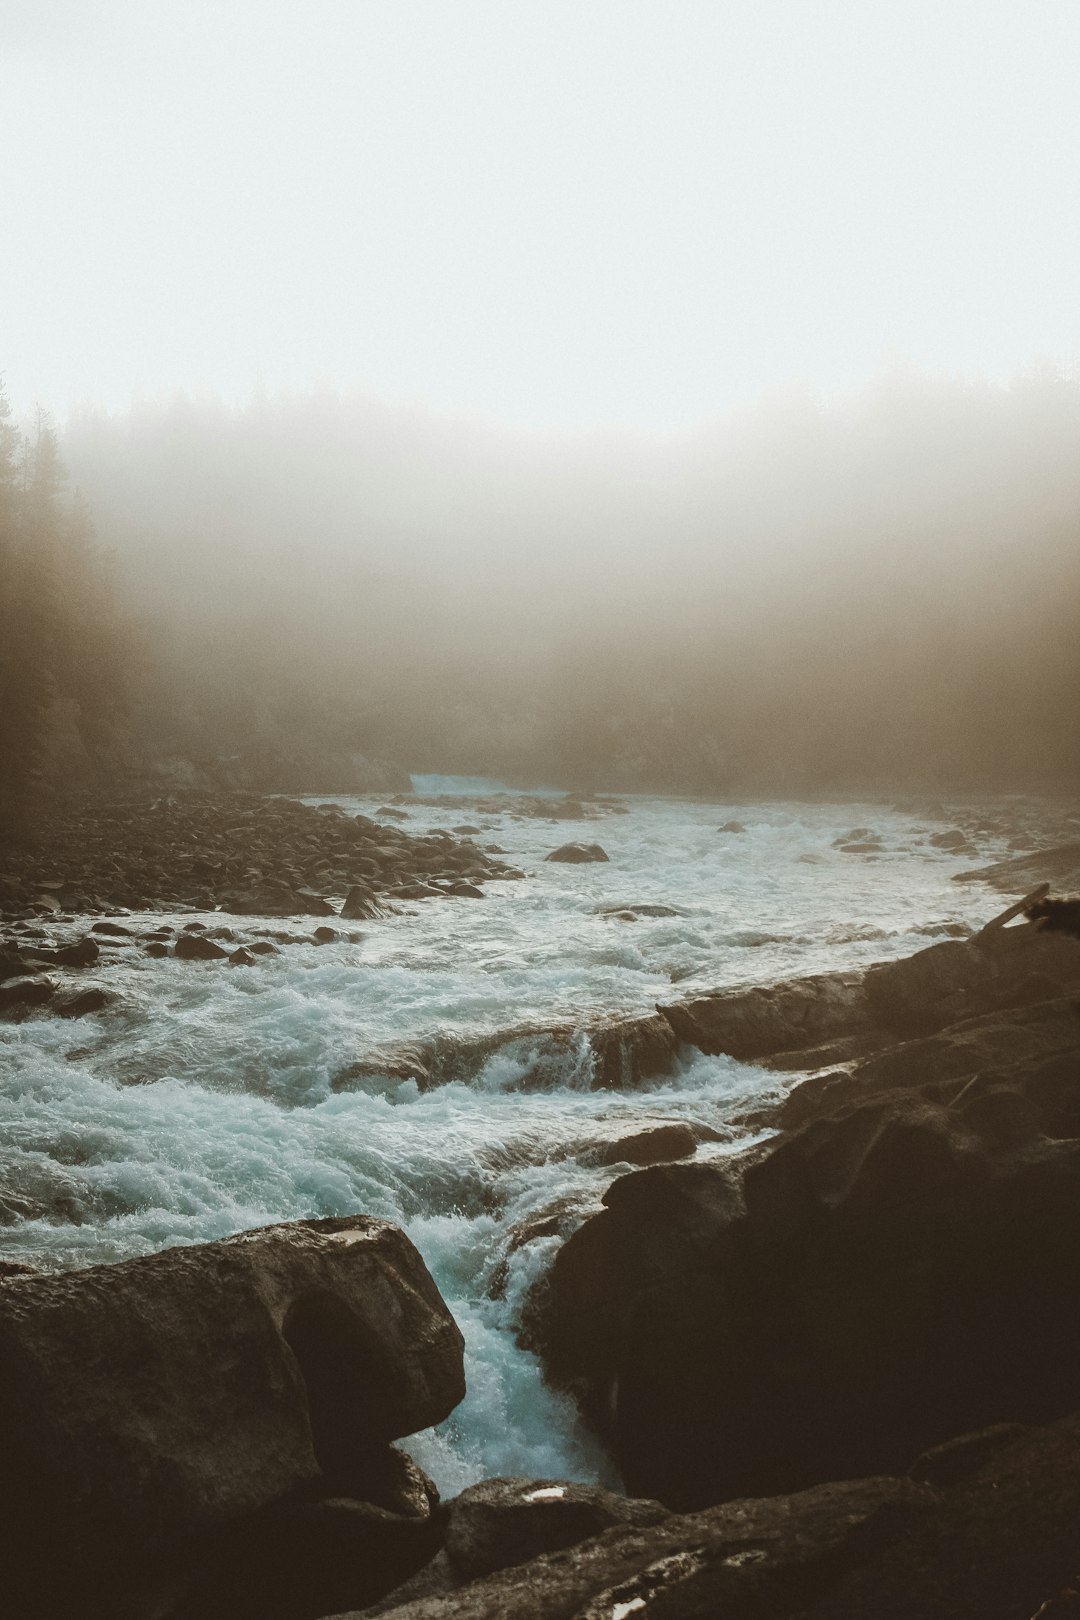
<point>996,1539</point>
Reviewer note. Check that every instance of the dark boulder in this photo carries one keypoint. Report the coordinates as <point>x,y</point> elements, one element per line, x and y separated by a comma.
<point>577,854</point>
<point>92,1000</point>
<point>196,948</point>
<point>23,995</point>
<point>861,1290</point>
<point>82,954</point>
<point>659,1145</point>
<point>158,1399</point>
<point>241,957</point>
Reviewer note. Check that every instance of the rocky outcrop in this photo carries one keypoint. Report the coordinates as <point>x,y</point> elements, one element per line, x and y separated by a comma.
<point>577,854</point>
<point>1059,866</point>
<point>995,1537</point>
<point>148,1403</point>
<point>745,1558</point>
<point>900,1268</point>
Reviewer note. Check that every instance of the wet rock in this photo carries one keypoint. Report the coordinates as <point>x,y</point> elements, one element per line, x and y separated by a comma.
<point>325,936</point>
<point>502,1522</point>
<point>196,948</point>
<point>241,957</point>
<point>659,1145</point>
<point>465,891</point>
<point>157,947</point>
<point>23,995</point>
<point>639,909</point>
<point>160,1399</point>
<point>112,930</point>
<point>91,1000</point>
<point>953,841</point>
<point>15,1268</point>
<point>82,954</point>
<point>263,947</point>
<point>577,854</point>
<point>732,827</point>
<point>360,902</point>
<point>630,1051</point>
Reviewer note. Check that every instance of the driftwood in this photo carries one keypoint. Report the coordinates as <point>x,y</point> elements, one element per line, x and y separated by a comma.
<point>1014,911</point>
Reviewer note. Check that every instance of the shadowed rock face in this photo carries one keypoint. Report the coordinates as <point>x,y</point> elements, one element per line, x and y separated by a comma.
<point>151,1401</point>
<point>889,1275</point>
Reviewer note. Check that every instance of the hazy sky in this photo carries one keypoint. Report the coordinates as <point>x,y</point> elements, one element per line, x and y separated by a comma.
<point>557,212</point>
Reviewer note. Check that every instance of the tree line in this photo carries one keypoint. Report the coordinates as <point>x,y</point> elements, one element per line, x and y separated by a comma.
<point>66,650</point>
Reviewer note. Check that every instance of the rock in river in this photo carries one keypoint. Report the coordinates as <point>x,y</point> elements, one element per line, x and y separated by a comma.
<point>577,854</point>
<point>155,1400</point>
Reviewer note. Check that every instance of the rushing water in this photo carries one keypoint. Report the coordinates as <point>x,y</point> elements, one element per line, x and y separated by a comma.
<point>203,1101</point>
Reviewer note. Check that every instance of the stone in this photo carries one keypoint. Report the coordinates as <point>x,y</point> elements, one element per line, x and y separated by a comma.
<point>112,930</point>
<point>324,936</point>
<point>146,1403</point>
<point>24,995</point>
<point>659,1145</point>
<point>577,854</point>
<point>157,948</point>
<point>196,948</point>
<point>732,827</point>
<point>92,1000</point>
<point>742,1558</point>
<point>501,1522</point>
<point>241,957</point>
<point>360,902</point>
<point>83,954</point>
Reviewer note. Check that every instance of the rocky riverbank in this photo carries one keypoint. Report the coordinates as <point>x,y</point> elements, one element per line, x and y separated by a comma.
<point>242,853</point>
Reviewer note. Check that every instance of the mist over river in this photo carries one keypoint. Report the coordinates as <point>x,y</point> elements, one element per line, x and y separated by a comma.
<point>206,1100</point>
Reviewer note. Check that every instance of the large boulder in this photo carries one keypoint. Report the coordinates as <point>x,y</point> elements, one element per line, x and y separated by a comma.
<point>151,1401</point>
<point>879,1280</point>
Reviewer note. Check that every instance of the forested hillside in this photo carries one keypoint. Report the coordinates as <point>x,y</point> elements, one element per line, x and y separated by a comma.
<point>875,596</point>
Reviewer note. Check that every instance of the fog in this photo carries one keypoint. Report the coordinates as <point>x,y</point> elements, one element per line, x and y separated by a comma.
<point>801,599</point>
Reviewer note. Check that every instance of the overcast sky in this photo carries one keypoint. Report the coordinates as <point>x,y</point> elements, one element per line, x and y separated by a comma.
<point>542,212</point>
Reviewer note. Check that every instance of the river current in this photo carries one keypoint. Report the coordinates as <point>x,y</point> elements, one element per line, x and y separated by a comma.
<point>204,1102</point>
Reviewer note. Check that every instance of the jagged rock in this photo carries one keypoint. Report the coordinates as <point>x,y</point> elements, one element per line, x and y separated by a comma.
<point>196,948</point>
<point>1059,866</point>
<point>826,1305</point>
<point>743,1558</point>
<point>360,902</point>
<point>158,1399</point>
<point>629,1051</point>
<point>577,854</point>
<point>241,957</point>
<point>502,1522</point>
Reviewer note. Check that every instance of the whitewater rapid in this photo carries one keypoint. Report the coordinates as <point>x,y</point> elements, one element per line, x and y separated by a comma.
<point>204,1101</point>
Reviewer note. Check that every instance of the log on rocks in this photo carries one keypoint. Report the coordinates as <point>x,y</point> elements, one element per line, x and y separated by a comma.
<point>149,1401</point>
